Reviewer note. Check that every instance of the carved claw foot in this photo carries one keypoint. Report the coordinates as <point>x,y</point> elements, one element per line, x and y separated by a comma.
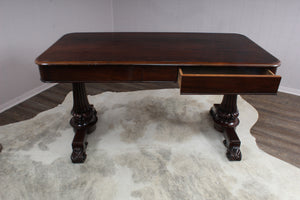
<point>233,153</point>
<point>86,126</point>
<point>78,155</point>
<point>79,146</point>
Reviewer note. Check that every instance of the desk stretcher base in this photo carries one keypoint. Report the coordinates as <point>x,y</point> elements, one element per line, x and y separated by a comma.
<point>225,116</point>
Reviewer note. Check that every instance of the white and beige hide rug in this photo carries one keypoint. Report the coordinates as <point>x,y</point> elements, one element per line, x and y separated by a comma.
<point>152,144</point>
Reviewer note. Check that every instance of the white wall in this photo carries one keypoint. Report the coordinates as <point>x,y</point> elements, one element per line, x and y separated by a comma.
<point>273,24</point>
<point>28,27</point>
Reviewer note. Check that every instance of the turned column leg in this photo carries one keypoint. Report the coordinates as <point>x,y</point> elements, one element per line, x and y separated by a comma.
<point>225,116</point>
<point>83,121</point>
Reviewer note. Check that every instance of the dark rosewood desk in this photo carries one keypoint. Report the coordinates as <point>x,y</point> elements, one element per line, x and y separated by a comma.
<point>201,63</point>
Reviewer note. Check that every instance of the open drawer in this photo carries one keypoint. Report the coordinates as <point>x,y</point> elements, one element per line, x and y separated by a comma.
<point>227,80</point>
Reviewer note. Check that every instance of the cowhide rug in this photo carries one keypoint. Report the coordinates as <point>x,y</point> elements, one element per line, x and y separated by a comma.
<point>149,145</point>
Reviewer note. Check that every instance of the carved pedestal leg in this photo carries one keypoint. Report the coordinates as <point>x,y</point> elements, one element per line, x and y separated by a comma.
<point>83,121</point>
<point>225,116</point>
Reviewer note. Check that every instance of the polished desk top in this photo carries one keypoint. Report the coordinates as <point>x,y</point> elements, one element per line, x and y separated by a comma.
<point>194,49</point>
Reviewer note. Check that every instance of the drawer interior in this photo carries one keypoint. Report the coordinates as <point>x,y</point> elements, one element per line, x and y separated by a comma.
<point>225,71</point>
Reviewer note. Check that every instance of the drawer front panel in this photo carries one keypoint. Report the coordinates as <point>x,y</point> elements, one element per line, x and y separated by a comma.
<point>228,83</point>
<point>107,73</point>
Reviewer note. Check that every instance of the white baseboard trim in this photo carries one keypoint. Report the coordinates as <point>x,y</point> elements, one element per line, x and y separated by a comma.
<point>25,96</point>
<point>289,90</point>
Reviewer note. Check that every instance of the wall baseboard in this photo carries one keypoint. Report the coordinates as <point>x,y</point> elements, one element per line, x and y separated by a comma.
<point>25,96</point>
<point>289,90</point>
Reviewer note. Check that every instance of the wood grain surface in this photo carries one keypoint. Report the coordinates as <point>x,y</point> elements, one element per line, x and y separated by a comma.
<point>216,49</point>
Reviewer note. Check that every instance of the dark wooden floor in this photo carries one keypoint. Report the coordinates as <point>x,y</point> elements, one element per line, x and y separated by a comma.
<point>277,131</point>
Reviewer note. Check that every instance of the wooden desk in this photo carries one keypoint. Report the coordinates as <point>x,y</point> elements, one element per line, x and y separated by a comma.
<point>201,63</point>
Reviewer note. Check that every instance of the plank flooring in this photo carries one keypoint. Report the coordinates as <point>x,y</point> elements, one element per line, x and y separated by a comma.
<point>277,130</point>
